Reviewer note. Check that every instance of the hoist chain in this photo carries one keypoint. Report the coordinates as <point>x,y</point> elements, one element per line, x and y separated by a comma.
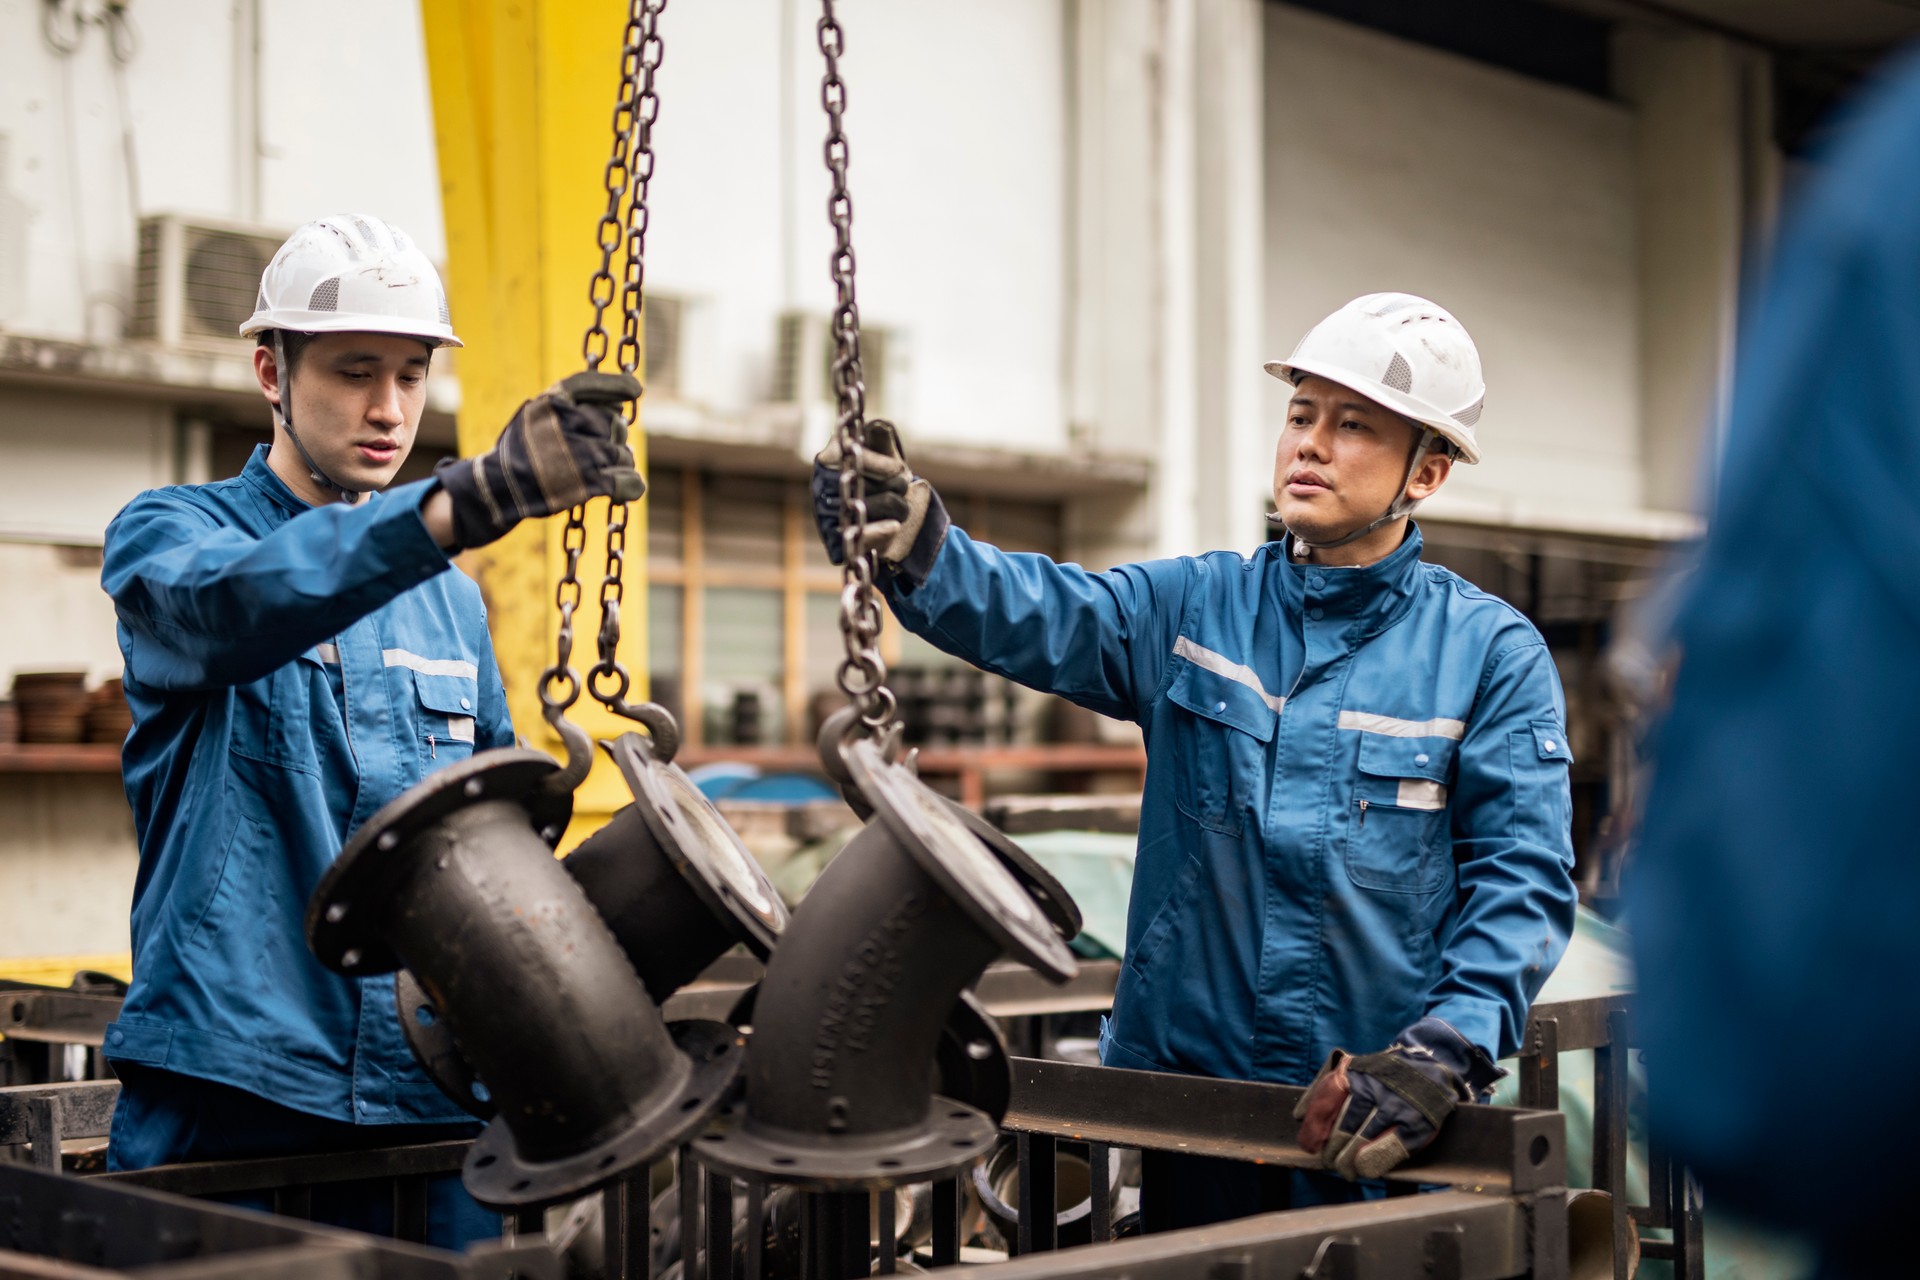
<point>862,675</point>
<point>622,228</point>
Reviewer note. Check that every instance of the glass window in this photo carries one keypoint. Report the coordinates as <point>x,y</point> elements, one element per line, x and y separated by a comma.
<point>743,519</point>
<point>666,626</point>
<point>741,666</point>
<point>665,518</point>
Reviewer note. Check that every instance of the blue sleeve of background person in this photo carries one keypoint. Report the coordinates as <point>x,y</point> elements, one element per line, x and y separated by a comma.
<point>1099,639</point>
<point>209,605</point>
<point>1513,844</point>
<point>1772,898</point>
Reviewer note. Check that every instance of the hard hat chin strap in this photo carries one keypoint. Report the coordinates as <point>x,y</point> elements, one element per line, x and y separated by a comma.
<point>1402,506</point>
<point>319,477</point>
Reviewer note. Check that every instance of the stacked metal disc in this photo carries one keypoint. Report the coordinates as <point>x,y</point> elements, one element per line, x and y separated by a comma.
<point>52,705</point>
<point>109,718</point>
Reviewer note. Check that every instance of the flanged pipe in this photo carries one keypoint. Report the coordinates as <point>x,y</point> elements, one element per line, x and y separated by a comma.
<point>455,881</point>
<point>668,876</point>
<point>847,1025</point>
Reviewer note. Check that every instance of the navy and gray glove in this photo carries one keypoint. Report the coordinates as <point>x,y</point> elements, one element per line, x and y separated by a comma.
<point>562,447</point>
<point>906,521</point>
<point>1365,1115</point>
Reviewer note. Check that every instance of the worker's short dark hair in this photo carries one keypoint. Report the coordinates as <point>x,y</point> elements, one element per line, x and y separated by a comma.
<point>294,342</point>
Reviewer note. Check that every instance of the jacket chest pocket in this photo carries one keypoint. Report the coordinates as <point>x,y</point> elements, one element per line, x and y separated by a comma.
<point>272,718</point>
<point>1397,836</point>
<point>444,722</point>
<point>1222,730</point>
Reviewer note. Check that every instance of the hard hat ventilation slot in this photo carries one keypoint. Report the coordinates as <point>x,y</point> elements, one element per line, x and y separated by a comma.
<point>326,295</point>
<point>1470,415</point>
<point>1399,374</point>
<point>367,231</point>
<point>446,316</point>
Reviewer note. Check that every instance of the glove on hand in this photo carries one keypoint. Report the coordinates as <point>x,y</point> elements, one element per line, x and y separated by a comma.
<point>564,446</point>
<point>1365,1115</point>
<point>906,521</point>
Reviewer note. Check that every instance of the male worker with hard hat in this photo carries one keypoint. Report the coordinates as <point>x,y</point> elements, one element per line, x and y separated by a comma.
<point>1355,832</point>
<point>298,654</point>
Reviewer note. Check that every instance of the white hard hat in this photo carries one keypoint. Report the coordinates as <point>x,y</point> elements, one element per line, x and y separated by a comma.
<point>1407,353</point>
<point>352,273</point>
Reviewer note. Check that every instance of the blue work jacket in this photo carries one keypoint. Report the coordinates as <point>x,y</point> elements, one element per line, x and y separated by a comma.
<point>1356,811</point>
<point>291,669</point>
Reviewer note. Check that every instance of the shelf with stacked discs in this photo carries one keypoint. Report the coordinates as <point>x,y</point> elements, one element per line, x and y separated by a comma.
<point>52,723</point>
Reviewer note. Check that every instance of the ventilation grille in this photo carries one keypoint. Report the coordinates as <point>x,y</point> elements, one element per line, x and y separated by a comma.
<point>326,296</point>
<point>1399,374</point>
<point>803,361</point>
<point>194,281</point>
<point>661,319</point>
<point>1470,415</point>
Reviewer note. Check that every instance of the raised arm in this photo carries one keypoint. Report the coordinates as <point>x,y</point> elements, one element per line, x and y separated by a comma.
<point>216,606</point>
<point>1099,639</point>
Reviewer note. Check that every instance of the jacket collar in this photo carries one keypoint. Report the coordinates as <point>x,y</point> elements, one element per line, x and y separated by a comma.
<point>1368,599</point>
<point>261,478</point>
<point>271,487</point>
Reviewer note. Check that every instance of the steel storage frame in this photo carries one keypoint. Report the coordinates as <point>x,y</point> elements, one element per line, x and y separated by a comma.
<point>1503,1214</point>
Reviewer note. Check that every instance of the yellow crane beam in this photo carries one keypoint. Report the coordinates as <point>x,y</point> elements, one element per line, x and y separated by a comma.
<point>523,94</point>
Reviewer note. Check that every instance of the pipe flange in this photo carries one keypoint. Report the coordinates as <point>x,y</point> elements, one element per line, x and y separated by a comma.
<point>1058,905</point>
<point>703,847</point>
<point>497,1176</point>
<point>367,869</point>
<point>972,1059</point>
<point>431,1040</point>
<point>953,1137</point>
<point>922,820</point>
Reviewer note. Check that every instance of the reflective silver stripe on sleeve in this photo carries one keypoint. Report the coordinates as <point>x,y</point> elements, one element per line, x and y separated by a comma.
<point>327,653</point>
<point>1367,722</point>
<point>430,666</point>
<point>460,728</point>
<point>1221,665</point>
<point>1419,793</point>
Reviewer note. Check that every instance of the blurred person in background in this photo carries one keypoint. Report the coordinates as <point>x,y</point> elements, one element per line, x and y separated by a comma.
<point>1355,832</point>
<point>1774,894</point>
<point>298,653</point>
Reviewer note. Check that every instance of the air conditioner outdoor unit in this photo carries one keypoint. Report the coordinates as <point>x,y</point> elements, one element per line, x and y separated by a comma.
<point>803,361</point>
<point>196,280</point>
<point>663,318</point>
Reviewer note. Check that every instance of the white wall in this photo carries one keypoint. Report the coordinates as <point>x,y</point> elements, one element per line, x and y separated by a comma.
<point>67,865</point>
<point>955,122</point>
<point>1510,202</point>
<point>70,463</point>
<point>343,124</point>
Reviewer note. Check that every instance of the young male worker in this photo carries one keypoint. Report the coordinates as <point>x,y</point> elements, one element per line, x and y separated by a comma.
<point>298,654</point>
<point>1355,833</point>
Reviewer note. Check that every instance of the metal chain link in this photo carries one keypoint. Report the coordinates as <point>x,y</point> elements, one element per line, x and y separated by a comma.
<point>623,228</point>
<point>862,674</point>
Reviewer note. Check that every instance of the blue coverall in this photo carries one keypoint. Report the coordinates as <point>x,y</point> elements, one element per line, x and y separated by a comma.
<point>291,669</point>
<point>1775,892</point>
<point>1357,807</point>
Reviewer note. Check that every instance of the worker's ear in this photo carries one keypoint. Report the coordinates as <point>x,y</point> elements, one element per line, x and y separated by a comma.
<point>1431,473</point>
<point>267,374</point>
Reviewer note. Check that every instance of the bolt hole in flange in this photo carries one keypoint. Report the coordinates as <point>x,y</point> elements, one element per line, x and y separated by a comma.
<point>1539,1150</point>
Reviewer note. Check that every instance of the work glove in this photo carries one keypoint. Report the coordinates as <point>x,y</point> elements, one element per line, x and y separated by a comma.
<point>906,521</point>
<point>563,446</point>
<point>1365,1115</point>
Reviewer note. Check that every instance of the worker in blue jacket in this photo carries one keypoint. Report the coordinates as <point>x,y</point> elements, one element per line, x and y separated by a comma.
<point>1355,832</point>
<point>299,651</point>
<point>1775,888</point>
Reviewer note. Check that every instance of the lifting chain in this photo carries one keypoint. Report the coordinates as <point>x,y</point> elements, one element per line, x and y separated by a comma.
<point>623,229</point>
<point>862,674</point>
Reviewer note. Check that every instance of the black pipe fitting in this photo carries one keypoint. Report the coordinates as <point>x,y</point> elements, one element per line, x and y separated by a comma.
<point>849,1017</point>
<point>456,881</point>
<point>668,876</point>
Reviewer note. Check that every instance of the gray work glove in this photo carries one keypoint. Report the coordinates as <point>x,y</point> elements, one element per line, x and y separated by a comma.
<point>563,446</point>
<point>906,521</point>
<point>1363,1116</point>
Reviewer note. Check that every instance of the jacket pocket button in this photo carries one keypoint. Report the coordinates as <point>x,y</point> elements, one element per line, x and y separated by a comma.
<point>1218,707</point>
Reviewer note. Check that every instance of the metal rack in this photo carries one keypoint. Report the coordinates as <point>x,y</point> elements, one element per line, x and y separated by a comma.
<point>1503,1215</point>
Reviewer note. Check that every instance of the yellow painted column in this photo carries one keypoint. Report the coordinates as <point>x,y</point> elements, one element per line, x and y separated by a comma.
<point>523,94</point>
